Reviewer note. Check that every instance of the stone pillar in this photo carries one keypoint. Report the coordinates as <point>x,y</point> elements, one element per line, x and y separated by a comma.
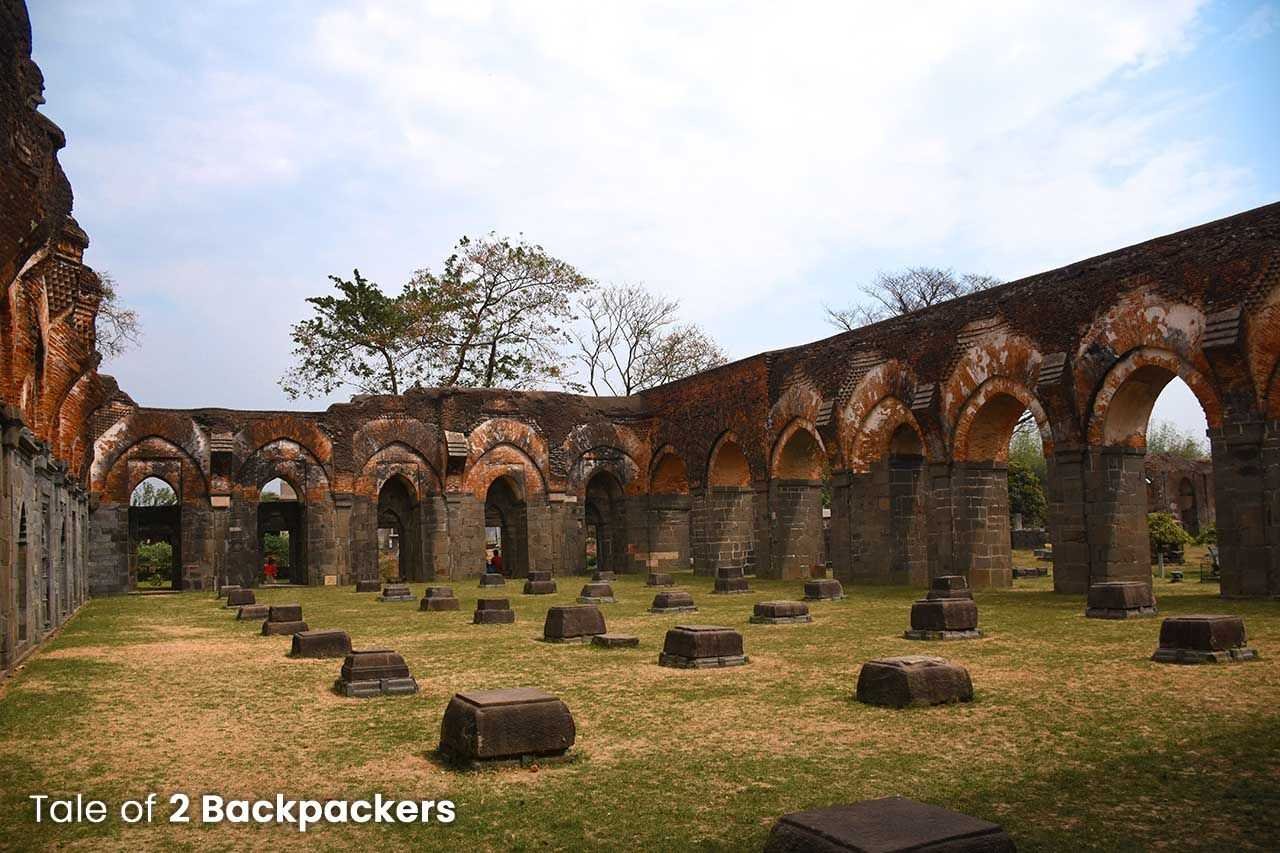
<point>940,505</point>
<point>435,536</point>
<point>242,542</point>
<point>908,531</point>
<point>724,529</point>
<point>795,516</point>
<point>466,535</point>
<point>981,543</point>
<point>362,534</point>
<point>1116,513</point>
<point>668,533</point>
<point>566,531</point>
<point>540,519</point>
<point>1245,457</point>
<point>1067,525</point>
<point>108,549</point>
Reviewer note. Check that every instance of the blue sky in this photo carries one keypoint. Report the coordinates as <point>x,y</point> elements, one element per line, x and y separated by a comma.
<point>754,160</point>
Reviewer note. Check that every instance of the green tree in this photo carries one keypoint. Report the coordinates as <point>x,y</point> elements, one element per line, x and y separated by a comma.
<point>276,545</point>
<point>499,313</point>
<point>153,492</point>
<point>1026,494</point>
<point>1027,449</point>
<point>361,338</point>
<point>154,563</point>
<point>1165,437</point>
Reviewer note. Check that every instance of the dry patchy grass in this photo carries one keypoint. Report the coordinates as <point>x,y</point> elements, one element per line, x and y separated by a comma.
<point>1076,739</point>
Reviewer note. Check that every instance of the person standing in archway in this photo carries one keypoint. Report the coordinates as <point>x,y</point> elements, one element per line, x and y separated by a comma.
<point>269,569</point>
<point>497,560</point>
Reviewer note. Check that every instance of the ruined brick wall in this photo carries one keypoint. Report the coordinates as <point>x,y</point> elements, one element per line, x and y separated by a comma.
<point>910,417</point>
<point>48,383</point>
<point>1182,487</point>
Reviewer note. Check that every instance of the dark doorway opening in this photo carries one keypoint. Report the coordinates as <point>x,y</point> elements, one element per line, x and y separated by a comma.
<point>281,535</point>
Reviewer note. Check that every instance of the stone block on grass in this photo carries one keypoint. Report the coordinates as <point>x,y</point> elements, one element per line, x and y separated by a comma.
<point>439,598</point>
<point>673,601</point>
<point>659,579</point>
<point>240,596</point>
<point>374,673</point>
<point>572,623</point>
<point>493,611</point>
<point>252,612</point>
<point>944,619</point>
<point>1203,639</point>
<point>731,586</point>
<point>396,592</point>
<point>513,724</point>
<point>369,585</point>
<point>823,589</point>
<point>702,646</point>
<point>329,643</point>
<point>283,619</point>
<point>949,586</point>
<point>539,583</point>
<point>1120,600</point>
<point>615,641</point>
<point>888,825</point>
<point>596,593</point>
<point>780,613</point>
<point>900,682</point>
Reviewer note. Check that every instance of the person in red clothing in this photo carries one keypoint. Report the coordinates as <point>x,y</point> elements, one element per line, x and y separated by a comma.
<point>497,561</point>
<point>269,569</point>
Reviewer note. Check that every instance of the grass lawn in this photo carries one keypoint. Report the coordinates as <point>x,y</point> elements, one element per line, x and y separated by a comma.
<point>1075,740</point>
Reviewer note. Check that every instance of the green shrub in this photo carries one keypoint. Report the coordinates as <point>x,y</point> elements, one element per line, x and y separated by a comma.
<point>1208,535</point>
<point>1165,532</point>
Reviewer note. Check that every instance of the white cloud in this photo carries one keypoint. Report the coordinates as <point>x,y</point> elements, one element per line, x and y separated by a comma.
<point>719,151</point>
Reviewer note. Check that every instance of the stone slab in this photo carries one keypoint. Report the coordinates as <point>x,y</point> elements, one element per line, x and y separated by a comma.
<point>1120,600</point>
<point>729,572</point>
<point>504,725</point>
<point>925,634</point>
<point>372,585</point>
<point>944,614</point>
<point>373,665</point>
<point>615,641</point>
<point>440,603</point>
<point>540,587</point>
<point>253,611</point>
<point>949,586</point>
<point>1203,639</point>
<point>673,601</point>
<point>376,687</point>
<point>780,613</point>
<point>240,597</point>
<point>888,825</point>
<point>396,592</point>
<point>702,646</point>
<point>900,682</point>
<point>285,613</point>
<point>270,628</point>
<point>572,622</point>
<point>538,575</point>
<point>823,589</point>
<point>731,586</point>
<point>329,643</point>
